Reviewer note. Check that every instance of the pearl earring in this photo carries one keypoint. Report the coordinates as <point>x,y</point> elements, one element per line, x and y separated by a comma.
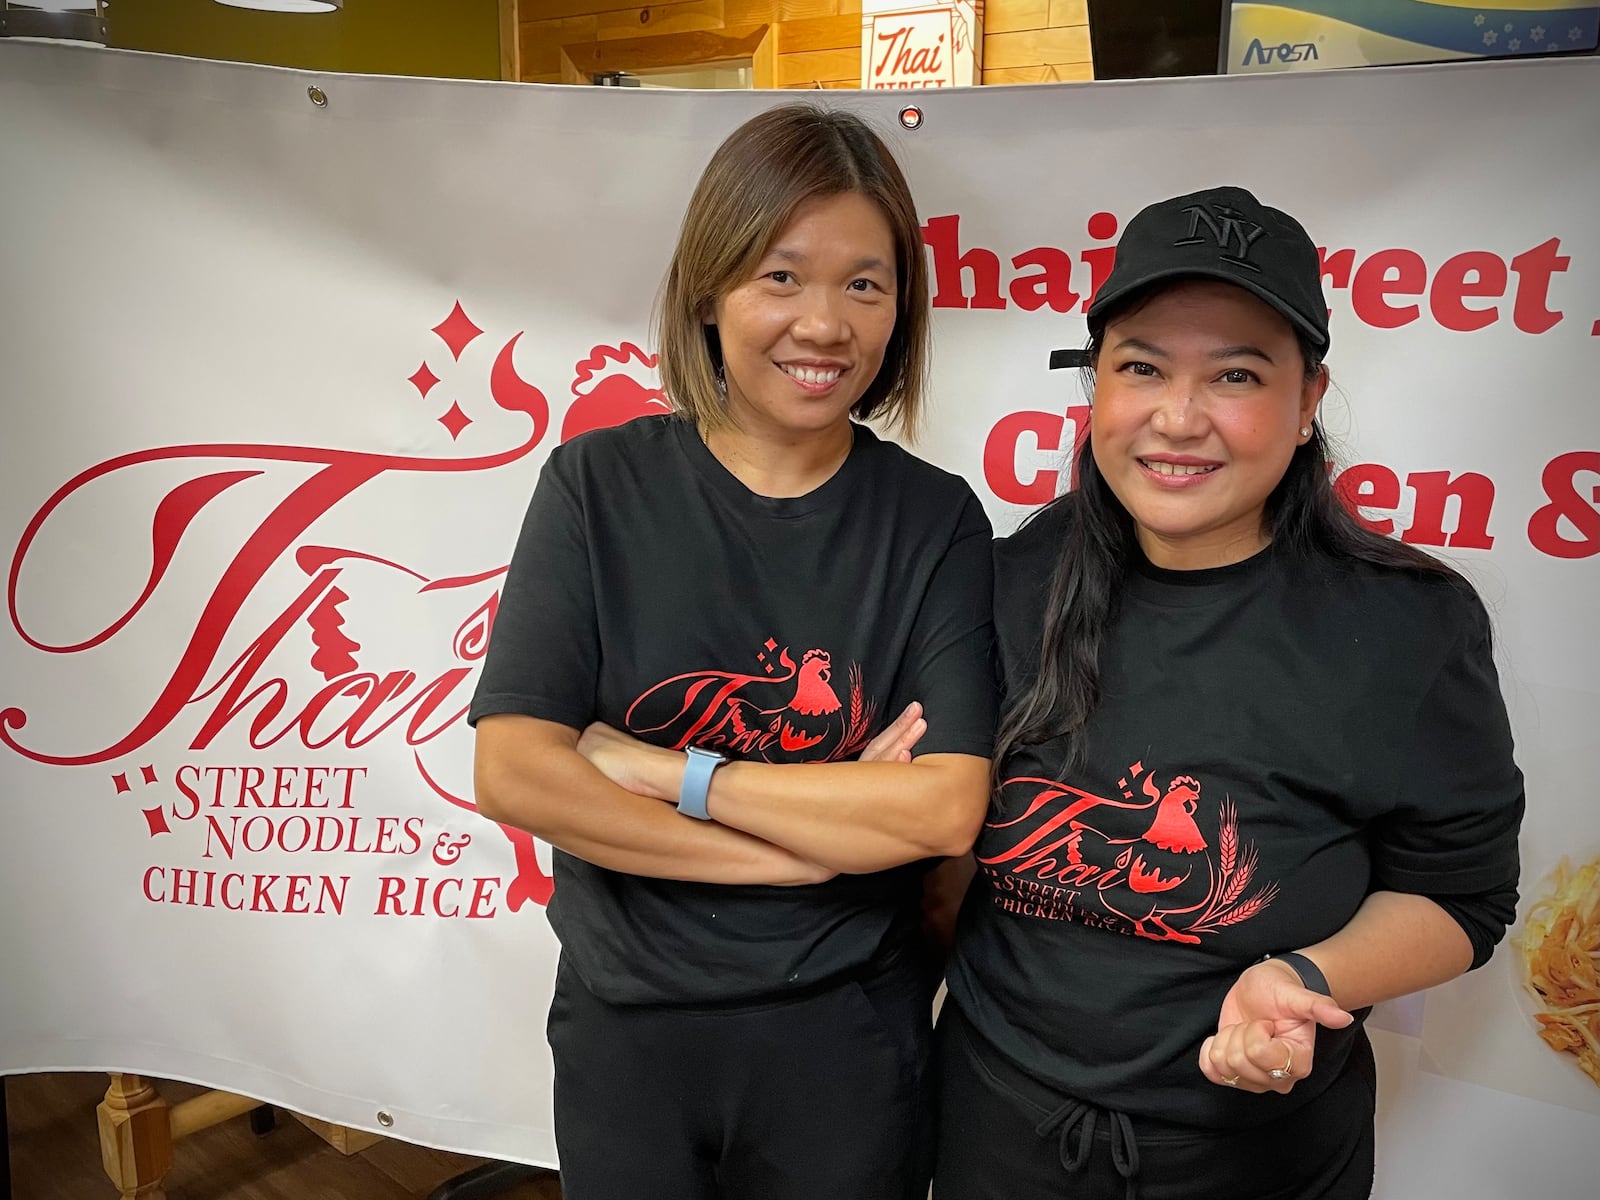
<point>1305,431</point>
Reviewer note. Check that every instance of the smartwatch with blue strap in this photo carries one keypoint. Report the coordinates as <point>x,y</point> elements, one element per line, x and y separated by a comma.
<point>697,782</point>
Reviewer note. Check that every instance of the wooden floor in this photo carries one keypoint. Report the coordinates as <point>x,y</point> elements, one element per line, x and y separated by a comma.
<point>55,1155</point>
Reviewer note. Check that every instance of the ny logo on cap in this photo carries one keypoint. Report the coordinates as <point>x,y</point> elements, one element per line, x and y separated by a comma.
<point>1228,228</point>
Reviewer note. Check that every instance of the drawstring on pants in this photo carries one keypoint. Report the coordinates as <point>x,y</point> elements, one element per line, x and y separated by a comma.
<point>1076,1117</point>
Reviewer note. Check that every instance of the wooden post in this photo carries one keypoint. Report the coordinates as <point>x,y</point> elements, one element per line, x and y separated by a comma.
<point>764,61</point>
<point>135,1138</point>
<point>345,1140</point>
<point>205,1110</point>
<point>510,42</point>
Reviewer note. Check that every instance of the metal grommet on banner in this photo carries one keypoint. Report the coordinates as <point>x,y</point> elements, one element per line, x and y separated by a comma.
<point>318,96</point>
<point>385,1120</point>
<point>911,117</point>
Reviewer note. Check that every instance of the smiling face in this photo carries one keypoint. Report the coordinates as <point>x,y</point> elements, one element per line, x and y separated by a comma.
<point>1200,395</point>
<point>804,335</point>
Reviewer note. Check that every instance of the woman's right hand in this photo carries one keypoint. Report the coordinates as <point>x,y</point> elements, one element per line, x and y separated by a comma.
<point>897,741</point>
<point>1267,1030</point>
<point>643,769</point>
<point>894,744</point>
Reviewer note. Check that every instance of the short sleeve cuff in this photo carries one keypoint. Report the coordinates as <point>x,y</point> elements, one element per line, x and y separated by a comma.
<point>496,703</point>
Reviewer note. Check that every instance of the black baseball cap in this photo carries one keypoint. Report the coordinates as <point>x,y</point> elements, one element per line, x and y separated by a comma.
<point>1222,233</point>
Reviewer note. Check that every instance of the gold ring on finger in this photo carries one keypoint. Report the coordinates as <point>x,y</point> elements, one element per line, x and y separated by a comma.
<point>1287,1070</point>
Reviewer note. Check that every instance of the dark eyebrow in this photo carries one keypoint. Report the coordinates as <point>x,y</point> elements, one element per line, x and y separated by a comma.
<point>1142,346</point>
<point>1243,352</point>
<point>869,263</point>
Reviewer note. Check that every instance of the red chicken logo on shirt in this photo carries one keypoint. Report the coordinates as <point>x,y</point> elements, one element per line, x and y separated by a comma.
<point>788,713</point>
<point>1143,860</point>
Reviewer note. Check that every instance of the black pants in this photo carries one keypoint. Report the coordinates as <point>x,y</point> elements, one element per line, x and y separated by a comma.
<point>990,1147</point>
<point>805,1098</point>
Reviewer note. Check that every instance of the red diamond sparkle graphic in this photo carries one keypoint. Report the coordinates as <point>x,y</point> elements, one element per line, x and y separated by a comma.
<point>121,780</point>
<point>157,820</point>
<point>148,773</point>
<point>455,421</point>
<point>423,379</point>
<point>457,331</point>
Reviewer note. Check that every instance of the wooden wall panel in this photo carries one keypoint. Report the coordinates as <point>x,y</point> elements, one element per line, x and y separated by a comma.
<point>1056,73</point>
<point>756,12</point>
<point>1069,12</point>
<point>812,41</point>
<point>657,19</point>
<point>1036,41</point>
<point>820,33</point>
<point>1030,47</point>
<point>812,67</point>
<point>545,10</point>
<point>542,42</point>
<point>1007,16</point>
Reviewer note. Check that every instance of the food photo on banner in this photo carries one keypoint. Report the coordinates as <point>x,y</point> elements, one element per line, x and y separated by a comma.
<point>283,376</point>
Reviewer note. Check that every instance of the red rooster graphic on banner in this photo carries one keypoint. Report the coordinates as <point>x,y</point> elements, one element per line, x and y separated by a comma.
<point>613,385</point>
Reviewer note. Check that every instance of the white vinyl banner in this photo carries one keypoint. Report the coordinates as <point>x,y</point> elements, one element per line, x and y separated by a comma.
<point>277,379</point>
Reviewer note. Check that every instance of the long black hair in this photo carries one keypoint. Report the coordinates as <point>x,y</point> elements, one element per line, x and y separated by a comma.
<point>1098,548</point>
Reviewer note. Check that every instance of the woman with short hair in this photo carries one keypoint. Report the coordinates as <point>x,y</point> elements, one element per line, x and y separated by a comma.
<point>708,619</point>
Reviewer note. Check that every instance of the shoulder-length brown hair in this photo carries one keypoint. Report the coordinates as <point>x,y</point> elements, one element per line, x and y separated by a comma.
<point>763,172</point>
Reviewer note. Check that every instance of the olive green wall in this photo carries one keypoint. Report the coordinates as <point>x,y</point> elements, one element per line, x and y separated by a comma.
<point>450,38</point>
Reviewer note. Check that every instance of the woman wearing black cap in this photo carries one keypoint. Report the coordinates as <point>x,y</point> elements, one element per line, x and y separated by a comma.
<point>1255,773</point>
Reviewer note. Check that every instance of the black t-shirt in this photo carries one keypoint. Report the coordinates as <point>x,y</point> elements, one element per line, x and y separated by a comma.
<point>651,590</point>
<point>1274,740</point>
